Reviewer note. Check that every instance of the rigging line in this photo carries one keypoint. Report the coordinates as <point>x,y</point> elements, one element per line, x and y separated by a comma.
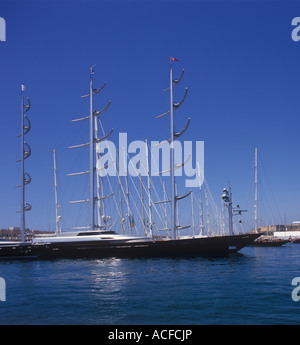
<point>249,202</point>
<point>108,180</point>
<point>265,212</point>
<point>73,135</point>
<point>114,197</point>
<point>213,203</point>
<point>269,209</point>
<point>160,205</point>
<point>140,179</point>
<point>157,167</point>
<point>60,199</point>
<point>264,197</point>
<point>152,184</point>
<point>197,212</point>
<point>250,184</point>
<point>216,212</point>
<point>115,167</point>
<point>80,204</point>
<point>274,199</point>
<point>136,191</point>
<point>147,192</point>
<point>120,184</point>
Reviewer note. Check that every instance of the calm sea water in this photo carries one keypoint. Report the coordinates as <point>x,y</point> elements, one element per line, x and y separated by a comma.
<point>252,287</point>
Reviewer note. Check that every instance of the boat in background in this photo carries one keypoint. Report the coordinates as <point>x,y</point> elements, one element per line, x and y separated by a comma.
<point>263,240</point>
<point>269,241</point>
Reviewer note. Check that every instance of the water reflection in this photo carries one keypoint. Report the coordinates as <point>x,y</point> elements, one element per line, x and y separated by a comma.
<point>251,286</point>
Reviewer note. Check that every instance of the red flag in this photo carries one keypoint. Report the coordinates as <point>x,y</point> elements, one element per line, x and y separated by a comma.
<point>173,59</point>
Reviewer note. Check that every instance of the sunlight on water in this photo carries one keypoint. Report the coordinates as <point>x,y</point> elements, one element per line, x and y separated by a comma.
<point>253,287</point>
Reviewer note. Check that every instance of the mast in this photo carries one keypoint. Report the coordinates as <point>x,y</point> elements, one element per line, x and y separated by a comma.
<point>98,187</point>
<point>142,197</point>
<point>120,192</point>
<point>25,153</point>
<point>200,202</point>
<point>255,205</point>
<point>173,136</point>
<point>193,220</point>
<point>176,209</point>
<point>92,164</point>
<point>57,217</point>
<point>149,191</point>
<point>130,219</point>
<point>207,213</point>
<point>93,139</point>
<point>201,212</point>
<point>165,206</point>
<point>22,170</point>
<point>173,204</point>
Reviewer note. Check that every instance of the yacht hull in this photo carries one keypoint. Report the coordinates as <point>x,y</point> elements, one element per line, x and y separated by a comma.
<point>205,246</point>
<point>188,247</point>
<point>18,251</point>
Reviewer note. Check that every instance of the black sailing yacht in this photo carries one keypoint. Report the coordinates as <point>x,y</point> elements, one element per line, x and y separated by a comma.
<point>100,243</point>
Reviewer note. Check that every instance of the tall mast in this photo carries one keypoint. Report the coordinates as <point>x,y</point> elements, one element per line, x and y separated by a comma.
<point>201,211</point>
<point>22,169</point>
<point>173,205</point>
<point>120,193</point>
<point>91,144</point>
<point>149,191</point>
<point>57,217</point>
<point>255,205</point>
<point>99,183</point>
<point>207,214</point>
<point>200,202</point>
<point>193,220</point>
<point>25,153</point>
<point>130,223</point>
<point>165,206</point>
<point>93,139</point>
<point>174,135</point>
<point>142,197</point>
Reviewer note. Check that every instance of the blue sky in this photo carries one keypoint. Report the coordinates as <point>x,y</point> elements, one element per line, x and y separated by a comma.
<point>241,68</point>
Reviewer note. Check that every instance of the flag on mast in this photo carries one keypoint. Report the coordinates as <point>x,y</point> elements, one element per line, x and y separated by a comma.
<point>173,59</point>
<point>23,87</point>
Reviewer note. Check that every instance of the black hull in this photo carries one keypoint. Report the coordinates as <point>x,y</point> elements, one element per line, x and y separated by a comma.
<point>18,251</point>
<point>206,246</point>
